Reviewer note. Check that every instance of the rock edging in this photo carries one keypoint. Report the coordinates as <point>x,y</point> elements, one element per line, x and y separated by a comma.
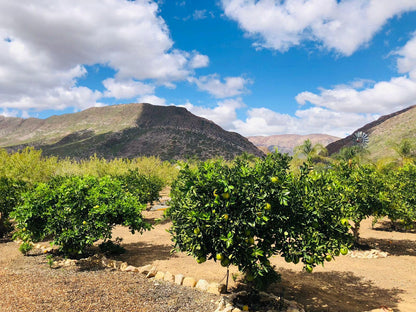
<point>224,304</point>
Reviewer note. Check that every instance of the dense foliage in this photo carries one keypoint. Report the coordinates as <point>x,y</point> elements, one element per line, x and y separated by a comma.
<point>402,191</point>
<point>10,191</point>
<point>145,187</point>
<point>363,191</point>
<point>77,211</point>
<point>243,214</point>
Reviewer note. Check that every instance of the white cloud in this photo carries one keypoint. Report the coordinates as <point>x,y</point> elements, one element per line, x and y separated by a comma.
<point>199,14</point>
<point>263,121</point>
<point>406,62</point>
<point>343,25</point>
<point>57,98</point>
<point>126,89</point>
<point>199,61</point>
<point>232,86</point>
<point>152,99</point>
<point>381,97</point>
<point>223,114</point>
<point>45,46</point>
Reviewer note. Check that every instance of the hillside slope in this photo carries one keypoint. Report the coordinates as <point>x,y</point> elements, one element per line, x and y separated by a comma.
<point>128,130</point>
<point>383,133</point>
<point>285,143</point>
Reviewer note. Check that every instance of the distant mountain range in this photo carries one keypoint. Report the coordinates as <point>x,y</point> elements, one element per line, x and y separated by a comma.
<point>125,131</point>
<point>285,143</point>
<point>383,134</point>
<point>171,133</point>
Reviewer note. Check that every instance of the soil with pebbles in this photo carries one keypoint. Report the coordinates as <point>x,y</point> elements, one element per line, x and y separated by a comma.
<point>356,282</point>
<point>28,284</point>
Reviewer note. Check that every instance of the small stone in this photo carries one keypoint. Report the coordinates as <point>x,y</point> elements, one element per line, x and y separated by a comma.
<point>179,279</point>
<point>152,272</point>
<point>189,282</point>
<point>169,277</point>
<point>202,285</point>
<point>221,304</point>
<point>236,310</point>
<point>145,269</point>
<point>216,288</point>
<point>123,266</point>
<point>159,275</point>
<point>130,268</point>
<point>117,264</point>
<point>228,308</point>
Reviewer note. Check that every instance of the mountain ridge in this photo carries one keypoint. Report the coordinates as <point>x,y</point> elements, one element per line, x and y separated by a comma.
<point>285,143</point>
<point>383,133</point>
<point>125,130</point>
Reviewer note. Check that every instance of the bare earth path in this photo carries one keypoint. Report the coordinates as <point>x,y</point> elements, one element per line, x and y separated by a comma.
<point>347,284</point>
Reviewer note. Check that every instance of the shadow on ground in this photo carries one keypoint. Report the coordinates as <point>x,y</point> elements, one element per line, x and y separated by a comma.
<point>403,247</point>
<point>334,291</point>
<point>388,226</point>
<point>139,254</point>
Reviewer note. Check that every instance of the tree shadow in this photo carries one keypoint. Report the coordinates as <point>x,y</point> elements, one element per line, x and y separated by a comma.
<point>389,226</point>
<point>334,291</point>
<point>6,239</point>
<point>154,221</point>
<point>139,254</point>
<point>403,247</point>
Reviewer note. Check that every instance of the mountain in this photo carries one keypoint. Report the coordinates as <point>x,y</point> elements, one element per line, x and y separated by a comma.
<point>383,134</point>
<point>285,143</point>
<point>125,131</point>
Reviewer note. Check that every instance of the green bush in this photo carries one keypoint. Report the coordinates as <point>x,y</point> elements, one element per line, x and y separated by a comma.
<point>77,211</point>
<point>145,187</point>
<point>242,214</point>
<point>402,183</point>
<point>363,190</point>
<point>10,196</point>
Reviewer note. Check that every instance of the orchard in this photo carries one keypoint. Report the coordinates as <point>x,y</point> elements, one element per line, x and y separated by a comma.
<point>242,214</point>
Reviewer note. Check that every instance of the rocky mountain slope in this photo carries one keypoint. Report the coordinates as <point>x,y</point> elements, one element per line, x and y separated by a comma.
<point>128,130</point>
<point>383,134</point>
<point>285,143</point>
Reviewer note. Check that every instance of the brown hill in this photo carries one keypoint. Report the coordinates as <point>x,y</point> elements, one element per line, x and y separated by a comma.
<point>128,130</point>
<point>285,143</point>
<point>383,133</point>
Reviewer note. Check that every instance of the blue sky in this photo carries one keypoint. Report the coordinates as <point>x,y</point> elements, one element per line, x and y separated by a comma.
<point>254,67</point>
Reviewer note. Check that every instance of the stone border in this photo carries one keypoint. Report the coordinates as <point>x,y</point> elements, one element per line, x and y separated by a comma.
<point>224,304</point>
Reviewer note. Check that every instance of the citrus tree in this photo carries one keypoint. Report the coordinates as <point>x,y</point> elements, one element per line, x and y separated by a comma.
<point>363,190</point>
<point>76,212</point>
<point>402,186</point>
<point>145,187</point>
<point>242,214</point>
<point>10,191</point>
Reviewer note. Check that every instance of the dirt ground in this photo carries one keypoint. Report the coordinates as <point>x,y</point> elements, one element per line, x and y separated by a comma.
<point>346,284</point>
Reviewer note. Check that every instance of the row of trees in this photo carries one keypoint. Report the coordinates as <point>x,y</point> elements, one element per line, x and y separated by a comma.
<point>240,212</point>
<point>76,203</point>
<point>243,213</point>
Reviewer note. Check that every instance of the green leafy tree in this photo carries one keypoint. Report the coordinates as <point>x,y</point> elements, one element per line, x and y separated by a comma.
<point>402,195</point>
<point>242,214</point>
<point>10,196</point>
<point>77,211</point>
<point>406,150</point>
<point>145,187</point>
<point>363,190</point>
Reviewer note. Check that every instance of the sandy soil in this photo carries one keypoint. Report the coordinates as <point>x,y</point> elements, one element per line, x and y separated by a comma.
<point>346,284</point>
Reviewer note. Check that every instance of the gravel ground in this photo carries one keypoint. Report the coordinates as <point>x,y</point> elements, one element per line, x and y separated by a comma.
<point>28,284</point>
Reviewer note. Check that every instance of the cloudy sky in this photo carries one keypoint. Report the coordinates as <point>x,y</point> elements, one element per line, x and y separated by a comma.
<point>257,67</point>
